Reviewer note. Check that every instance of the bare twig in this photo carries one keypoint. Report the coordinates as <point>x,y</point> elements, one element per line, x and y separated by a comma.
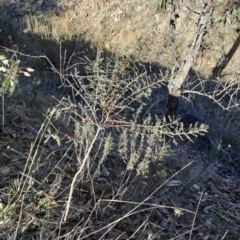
<point>177,82</point>
<point>133,211</point>
<point>79,172</point>
<point>223,94</point>
<point>195,215</point>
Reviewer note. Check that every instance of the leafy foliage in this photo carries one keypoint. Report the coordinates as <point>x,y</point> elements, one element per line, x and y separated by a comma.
<point>9,70</point>
<point>163,4</point>
<point>228,17</point>
<point>114,97</point>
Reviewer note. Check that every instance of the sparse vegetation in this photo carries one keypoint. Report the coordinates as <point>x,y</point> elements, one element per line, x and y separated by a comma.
<point>86,149</point>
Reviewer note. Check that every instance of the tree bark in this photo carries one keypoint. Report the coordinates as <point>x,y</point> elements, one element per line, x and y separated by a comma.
<point>174,85</point>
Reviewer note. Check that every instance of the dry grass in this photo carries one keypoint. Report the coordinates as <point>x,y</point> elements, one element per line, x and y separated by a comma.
<point>52,27</point>
<point>140,31</point>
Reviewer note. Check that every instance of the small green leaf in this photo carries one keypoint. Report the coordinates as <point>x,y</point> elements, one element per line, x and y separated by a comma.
<point>238,12</point>
<point>234,13</point>
<point>7,84</point>
<point>3,69</point>
<point>163,4</point>
<point>218,18</point>
<point>228,14</point>
<point>2,57</point>
<point>157,3</point>
<point>229,21</point>
<point>5,62</point>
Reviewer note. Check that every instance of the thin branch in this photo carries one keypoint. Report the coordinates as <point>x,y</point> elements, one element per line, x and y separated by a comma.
<point>194,219</point>
<point>79,172</point>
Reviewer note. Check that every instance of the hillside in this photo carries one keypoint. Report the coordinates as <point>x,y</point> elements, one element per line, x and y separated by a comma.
<point>86,152</point>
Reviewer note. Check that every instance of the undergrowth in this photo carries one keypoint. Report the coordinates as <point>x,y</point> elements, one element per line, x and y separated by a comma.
<point>102,126</point>
<point>96,166</point>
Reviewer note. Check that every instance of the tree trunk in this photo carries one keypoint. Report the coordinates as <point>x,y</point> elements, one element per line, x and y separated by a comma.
<point>174,85</point>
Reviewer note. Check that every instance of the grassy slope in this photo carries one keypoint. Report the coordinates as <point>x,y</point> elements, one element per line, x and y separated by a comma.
<point>137,29</point>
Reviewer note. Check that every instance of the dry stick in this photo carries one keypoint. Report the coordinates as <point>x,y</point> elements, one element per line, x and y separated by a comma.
<point>225,234</point>
<point>79,172</point>
<point>208,96</point>
<point>119,237</point>
<point>178,236</point>
<point>73,229</point>
<point>3,111</point>
<point>147,204</point>
<point>195,216</point>
<point>31,56</point>
<point>177,82</point>
<point>13,237</point>
<point>174,86</point>
<point>131,237</point>
<point>115,222</point>
<point>29,159</point>
<point>131,212</point>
